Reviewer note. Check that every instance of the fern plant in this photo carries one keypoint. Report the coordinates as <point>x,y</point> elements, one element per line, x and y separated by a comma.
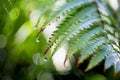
<point>88,26</point>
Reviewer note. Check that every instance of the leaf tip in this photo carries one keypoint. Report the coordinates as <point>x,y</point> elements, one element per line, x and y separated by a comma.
<point>105,70</point>
<point>66,58</point>
<point>86,70</point>
<point>78,64</point>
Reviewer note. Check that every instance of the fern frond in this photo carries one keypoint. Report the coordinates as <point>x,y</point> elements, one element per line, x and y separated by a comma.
<point>65,9</point>
<point>84,22</point>
<point>62,29</point>
<point>82,41</point>
<point>110,60</point>
<point>91,48</point>
<point>75,30</point>
<point>117,67</point>
<point>98,57</point>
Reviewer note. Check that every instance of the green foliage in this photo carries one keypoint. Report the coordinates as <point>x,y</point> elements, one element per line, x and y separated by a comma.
<point>98,57</point>
<point>18,40</point>
<point>90,28</point>
<point>95,44</point>
<point>95,76</point>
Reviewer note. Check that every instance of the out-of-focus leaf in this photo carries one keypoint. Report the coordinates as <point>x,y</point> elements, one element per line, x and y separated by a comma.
<point>110,60</point>
<point>117,67</point>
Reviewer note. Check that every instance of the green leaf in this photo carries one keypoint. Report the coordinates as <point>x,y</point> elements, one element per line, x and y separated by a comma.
<point>38,59</point>
<point>90,48</point>
<point>83,39</point>
<point>75,30</point>
<point>68,23</point>
<point>111,60</point>
<point>98,57</point>
<point>117,67</point>
<point>70,28</point>
<point>65,9</point>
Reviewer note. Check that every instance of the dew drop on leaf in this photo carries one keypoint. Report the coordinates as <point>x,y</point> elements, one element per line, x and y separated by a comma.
<point>37,40</point>
<point>39,59</point>
<point>45,59</point>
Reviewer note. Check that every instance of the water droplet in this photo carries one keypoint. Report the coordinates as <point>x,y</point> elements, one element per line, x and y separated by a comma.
<point>45,59</point>
<point>37,40</point>
<point>35,27</point>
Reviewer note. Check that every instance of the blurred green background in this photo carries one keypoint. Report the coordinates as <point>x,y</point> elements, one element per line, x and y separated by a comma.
<point>18,46</point>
